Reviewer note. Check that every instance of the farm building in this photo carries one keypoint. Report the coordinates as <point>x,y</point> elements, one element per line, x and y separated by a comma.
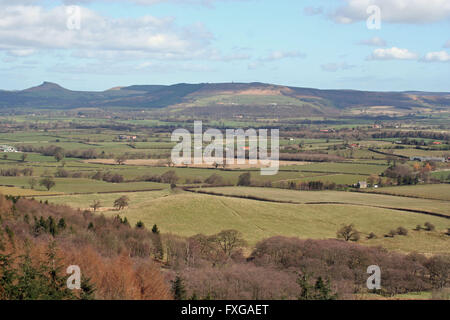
<point>362,185</point>
<point>5,148</point>
<point>125,137</point>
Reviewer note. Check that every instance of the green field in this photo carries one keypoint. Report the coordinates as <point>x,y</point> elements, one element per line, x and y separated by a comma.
<point>442,175</point>
<point>47,166</point>
<point>350,168</point>
<point>387,201</point>
<point>188,214</point>
<point>348,179</point>
<point>421,153</point>
<point>263,100</point>
<point>315,215</point>
<point>15,191</point>
<point>83,201</point>
<point>326,135</point>
<point>75,185</point>
<point>428,191</point>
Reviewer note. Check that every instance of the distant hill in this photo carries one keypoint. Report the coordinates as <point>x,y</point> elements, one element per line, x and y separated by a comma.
<point>230,99</point>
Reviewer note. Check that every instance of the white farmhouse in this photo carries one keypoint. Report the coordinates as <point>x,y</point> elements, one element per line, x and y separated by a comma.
<point>5,148</point>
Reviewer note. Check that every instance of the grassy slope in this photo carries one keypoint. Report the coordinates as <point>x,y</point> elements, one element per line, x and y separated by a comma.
<point>15,191</point>
<point>342,168</point>
<point>188,214</point>
<point>247,100</point>
<point>107,200</point>
<point>430,191</point>
<point>338,196</point>
<point>75,185</point>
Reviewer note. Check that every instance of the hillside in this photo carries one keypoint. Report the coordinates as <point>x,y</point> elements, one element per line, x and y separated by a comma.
<point>229,98</point>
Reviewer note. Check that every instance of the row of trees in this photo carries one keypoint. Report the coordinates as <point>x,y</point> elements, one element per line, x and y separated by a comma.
<point>350,233</point>
<point>46,182</point>
<point>169,177</point>
<point>290,268</point>
<point>405,174</point>
<point>16,172</point>
<point>245,179</point>
<point>435,135</point>
<point>119,204</point>
<point>59,153</point>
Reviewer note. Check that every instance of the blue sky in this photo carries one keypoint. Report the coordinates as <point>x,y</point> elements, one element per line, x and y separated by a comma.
<point>322,44</point>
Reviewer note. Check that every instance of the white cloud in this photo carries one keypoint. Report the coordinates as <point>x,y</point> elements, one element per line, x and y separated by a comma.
<point>394,11</point>
<point>208,3</point>
<point>375,42</point>
<point>27,28</point>
<point>279,55</point>
<point>273,56</point>
<point>99,68</point>
<point>19,2</point>
<point>439,56</point>
<point>393,53</point>
<point>197,2</point>
<point>447,44</point>
<point>255,65</point>
<point>174,67</point>
<point>333,67</point>
<point>237,54</point>
<point>312,11</point>
<point>21,52</point>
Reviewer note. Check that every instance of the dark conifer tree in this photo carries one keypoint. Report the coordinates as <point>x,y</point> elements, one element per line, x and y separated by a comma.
<point>178,290</point>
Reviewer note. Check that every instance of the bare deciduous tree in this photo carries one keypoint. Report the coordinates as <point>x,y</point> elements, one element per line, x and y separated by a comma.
<point>121,159</point>
<point>229,241</point>
<point>96,205</point>
<point>348,233</point>
<point>121,202</point>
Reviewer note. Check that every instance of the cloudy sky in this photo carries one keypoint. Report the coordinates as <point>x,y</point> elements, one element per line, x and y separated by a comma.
<point>99,44</point>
